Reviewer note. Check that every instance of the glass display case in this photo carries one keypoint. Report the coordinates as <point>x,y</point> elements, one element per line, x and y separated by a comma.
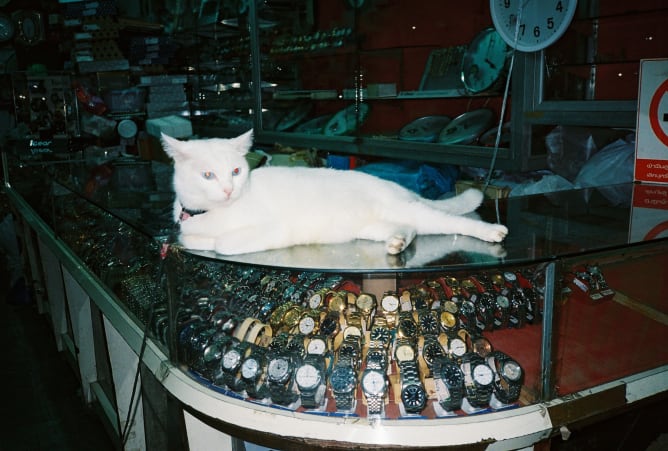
<point>336,345</point>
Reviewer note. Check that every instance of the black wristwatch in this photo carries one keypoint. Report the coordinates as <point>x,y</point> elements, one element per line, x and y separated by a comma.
<point>413,394</point>
<point>449,383</point>
<point>478,380</point>
<point>508,377</point>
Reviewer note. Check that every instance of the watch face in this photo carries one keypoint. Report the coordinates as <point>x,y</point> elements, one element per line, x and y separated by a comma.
<point>482,374</point>
<point>428,324</point>
<point>457,347</point>
<point>407,328</point>
<point>278,369</point>
<point>337,303</point>
<point>448,320</point>
<point>231,359</point>
<point>404,353</point>
<point>413,397</point>
<point>316,346</point>
<point>306,325</point>
<point>308,376</point>
<point>390,303</point>
<point>484,62</point>
<point>452,375</point>
<point>512,370</point>
<point>431,351</point>
<point>468,308</point>
<point>365,302</point>
<point>381,334</point>
<point>250,368</point>
<point>510,276</point>
<point>541,23</point>
<point>315,301</point>
<point>373,382</point>
<point>482,346</point>
<point>502,301</point>
<point>342,379</point>
<point>352,331</point>
<point>329,325</point>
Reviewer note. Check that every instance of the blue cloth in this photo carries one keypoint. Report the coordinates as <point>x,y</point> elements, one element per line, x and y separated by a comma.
<point>430,181</point>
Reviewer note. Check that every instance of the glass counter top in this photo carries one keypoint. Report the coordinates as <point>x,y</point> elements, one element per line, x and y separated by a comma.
<point>541,227</point>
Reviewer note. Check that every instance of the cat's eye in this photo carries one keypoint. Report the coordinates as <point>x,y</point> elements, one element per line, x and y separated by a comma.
<point>236,171</point>
<point>208,175</point>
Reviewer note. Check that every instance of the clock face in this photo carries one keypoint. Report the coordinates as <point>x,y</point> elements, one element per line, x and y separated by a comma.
<point>482,374</point>
<point>503,301</point>
<point>390,303</point>
<point>448,320</point>
<point>404,353</point>
<point>278,368</point>
<point>453,375</point>
<point>342,379</point>
<point>231,359</point>
<point>306,325</point>
<point>373,383</point>
<point>365,302</point>
<point>512,370</point>
<point>484,62</point>
<point>308,376</point>
<point>530,26</point>
<point>413,397</point>
<point>7,28</point>
<point>315,301</point>
<point>316,346</point>
<point>457,347</point>
<point>249,368</point>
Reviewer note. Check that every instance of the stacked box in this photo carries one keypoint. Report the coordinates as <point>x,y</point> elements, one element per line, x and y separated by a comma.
<point>150,50</point>
<point>166,95</point>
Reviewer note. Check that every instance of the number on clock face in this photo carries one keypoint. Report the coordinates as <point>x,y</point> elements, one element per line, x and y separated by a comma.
<point>530,26</point>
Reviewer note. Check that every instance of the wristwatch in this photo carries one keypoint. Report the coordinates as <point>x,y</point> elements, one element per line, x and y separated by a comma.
<point>431,351</point>
<point>381,335</point>
<point>404,350</point>
<point>478,380</point>
<point>449,384</point>
<point>343,382</point>
<point>449,321</point>
<point>508,377</point>
<point>413,394</point>
<point>374,387</point>
<point>251,370</point>
<point>366,304</point>
<point>309,322</point>
<point>407,327</point>
<point>280,369</point>
<point>309,377</point>
<point>231,362</point>
<point>351,349</point>
<point>317,345</point>
<point>389,305</point>
<point>456,348</point>
<point>428,322</point>
<point>330,325</point>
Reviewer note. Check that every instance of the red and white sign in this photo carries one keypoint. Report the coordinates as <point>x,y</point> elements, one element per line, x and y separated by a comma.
<point>652,123</point>
<point>649,215</point>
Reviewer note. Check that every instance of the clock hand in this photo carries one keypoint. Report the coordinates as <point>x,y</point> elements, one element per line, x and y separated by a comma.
<point>491,64</point>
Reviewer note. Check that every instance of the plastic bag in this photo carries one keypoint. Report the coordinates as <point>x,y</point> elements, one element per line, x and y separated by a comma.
<point>431,182</point>
<point>568,149</point>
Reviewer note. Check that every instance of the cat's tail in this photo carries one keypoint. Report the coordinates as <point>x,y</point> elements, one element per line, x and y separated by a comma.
<point>460,204</point>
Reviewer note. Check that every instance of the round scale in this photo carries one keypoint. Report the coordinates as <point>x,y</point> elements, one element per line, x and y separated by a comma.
<point>347,120</point>
<point>424,129</point>
<point>467,127</point>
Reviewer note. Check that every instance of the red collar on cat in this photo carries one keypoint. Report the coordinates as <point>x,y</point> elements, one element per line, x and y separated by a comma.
<point>186,213</point>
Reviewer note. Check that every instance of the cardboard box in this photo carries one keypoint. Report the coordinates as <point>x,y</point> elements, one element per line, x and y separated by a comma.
<point>492,191</point>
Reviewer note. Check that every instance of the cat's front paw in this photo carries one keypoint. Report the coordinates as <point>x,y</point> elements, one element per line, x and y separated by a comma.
<point>495,233</point>
<point>396,244</point>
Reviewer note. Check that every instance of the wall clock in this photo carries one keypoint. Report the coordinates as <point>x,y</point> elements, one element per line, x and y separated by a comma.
<point>30,28</point>
<point>7,28</point>
<point>541,22</point>
<point>484,63</point>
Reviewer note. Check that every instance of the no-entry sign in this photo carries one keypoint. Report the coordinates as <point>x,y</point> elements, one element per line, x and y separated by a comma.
<point>652,122</point>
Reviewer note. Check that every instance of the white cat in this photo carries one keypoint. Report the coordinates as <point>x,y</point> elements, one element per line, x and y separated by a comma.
<point>242,211</point>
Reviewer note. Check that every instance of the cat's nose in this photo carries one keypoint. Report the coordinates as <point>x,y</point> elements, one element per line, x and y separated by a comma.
<point>228,192</point>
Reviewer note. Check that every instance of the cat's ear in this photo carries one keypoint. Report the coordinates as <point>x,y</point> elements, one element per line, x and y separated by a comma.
<point>171,146</point>
<point>244,142</point>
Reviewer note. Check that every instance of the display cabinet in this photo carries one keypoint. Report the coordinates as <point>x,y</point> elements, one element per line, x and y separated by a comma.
<point>455,342</point>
